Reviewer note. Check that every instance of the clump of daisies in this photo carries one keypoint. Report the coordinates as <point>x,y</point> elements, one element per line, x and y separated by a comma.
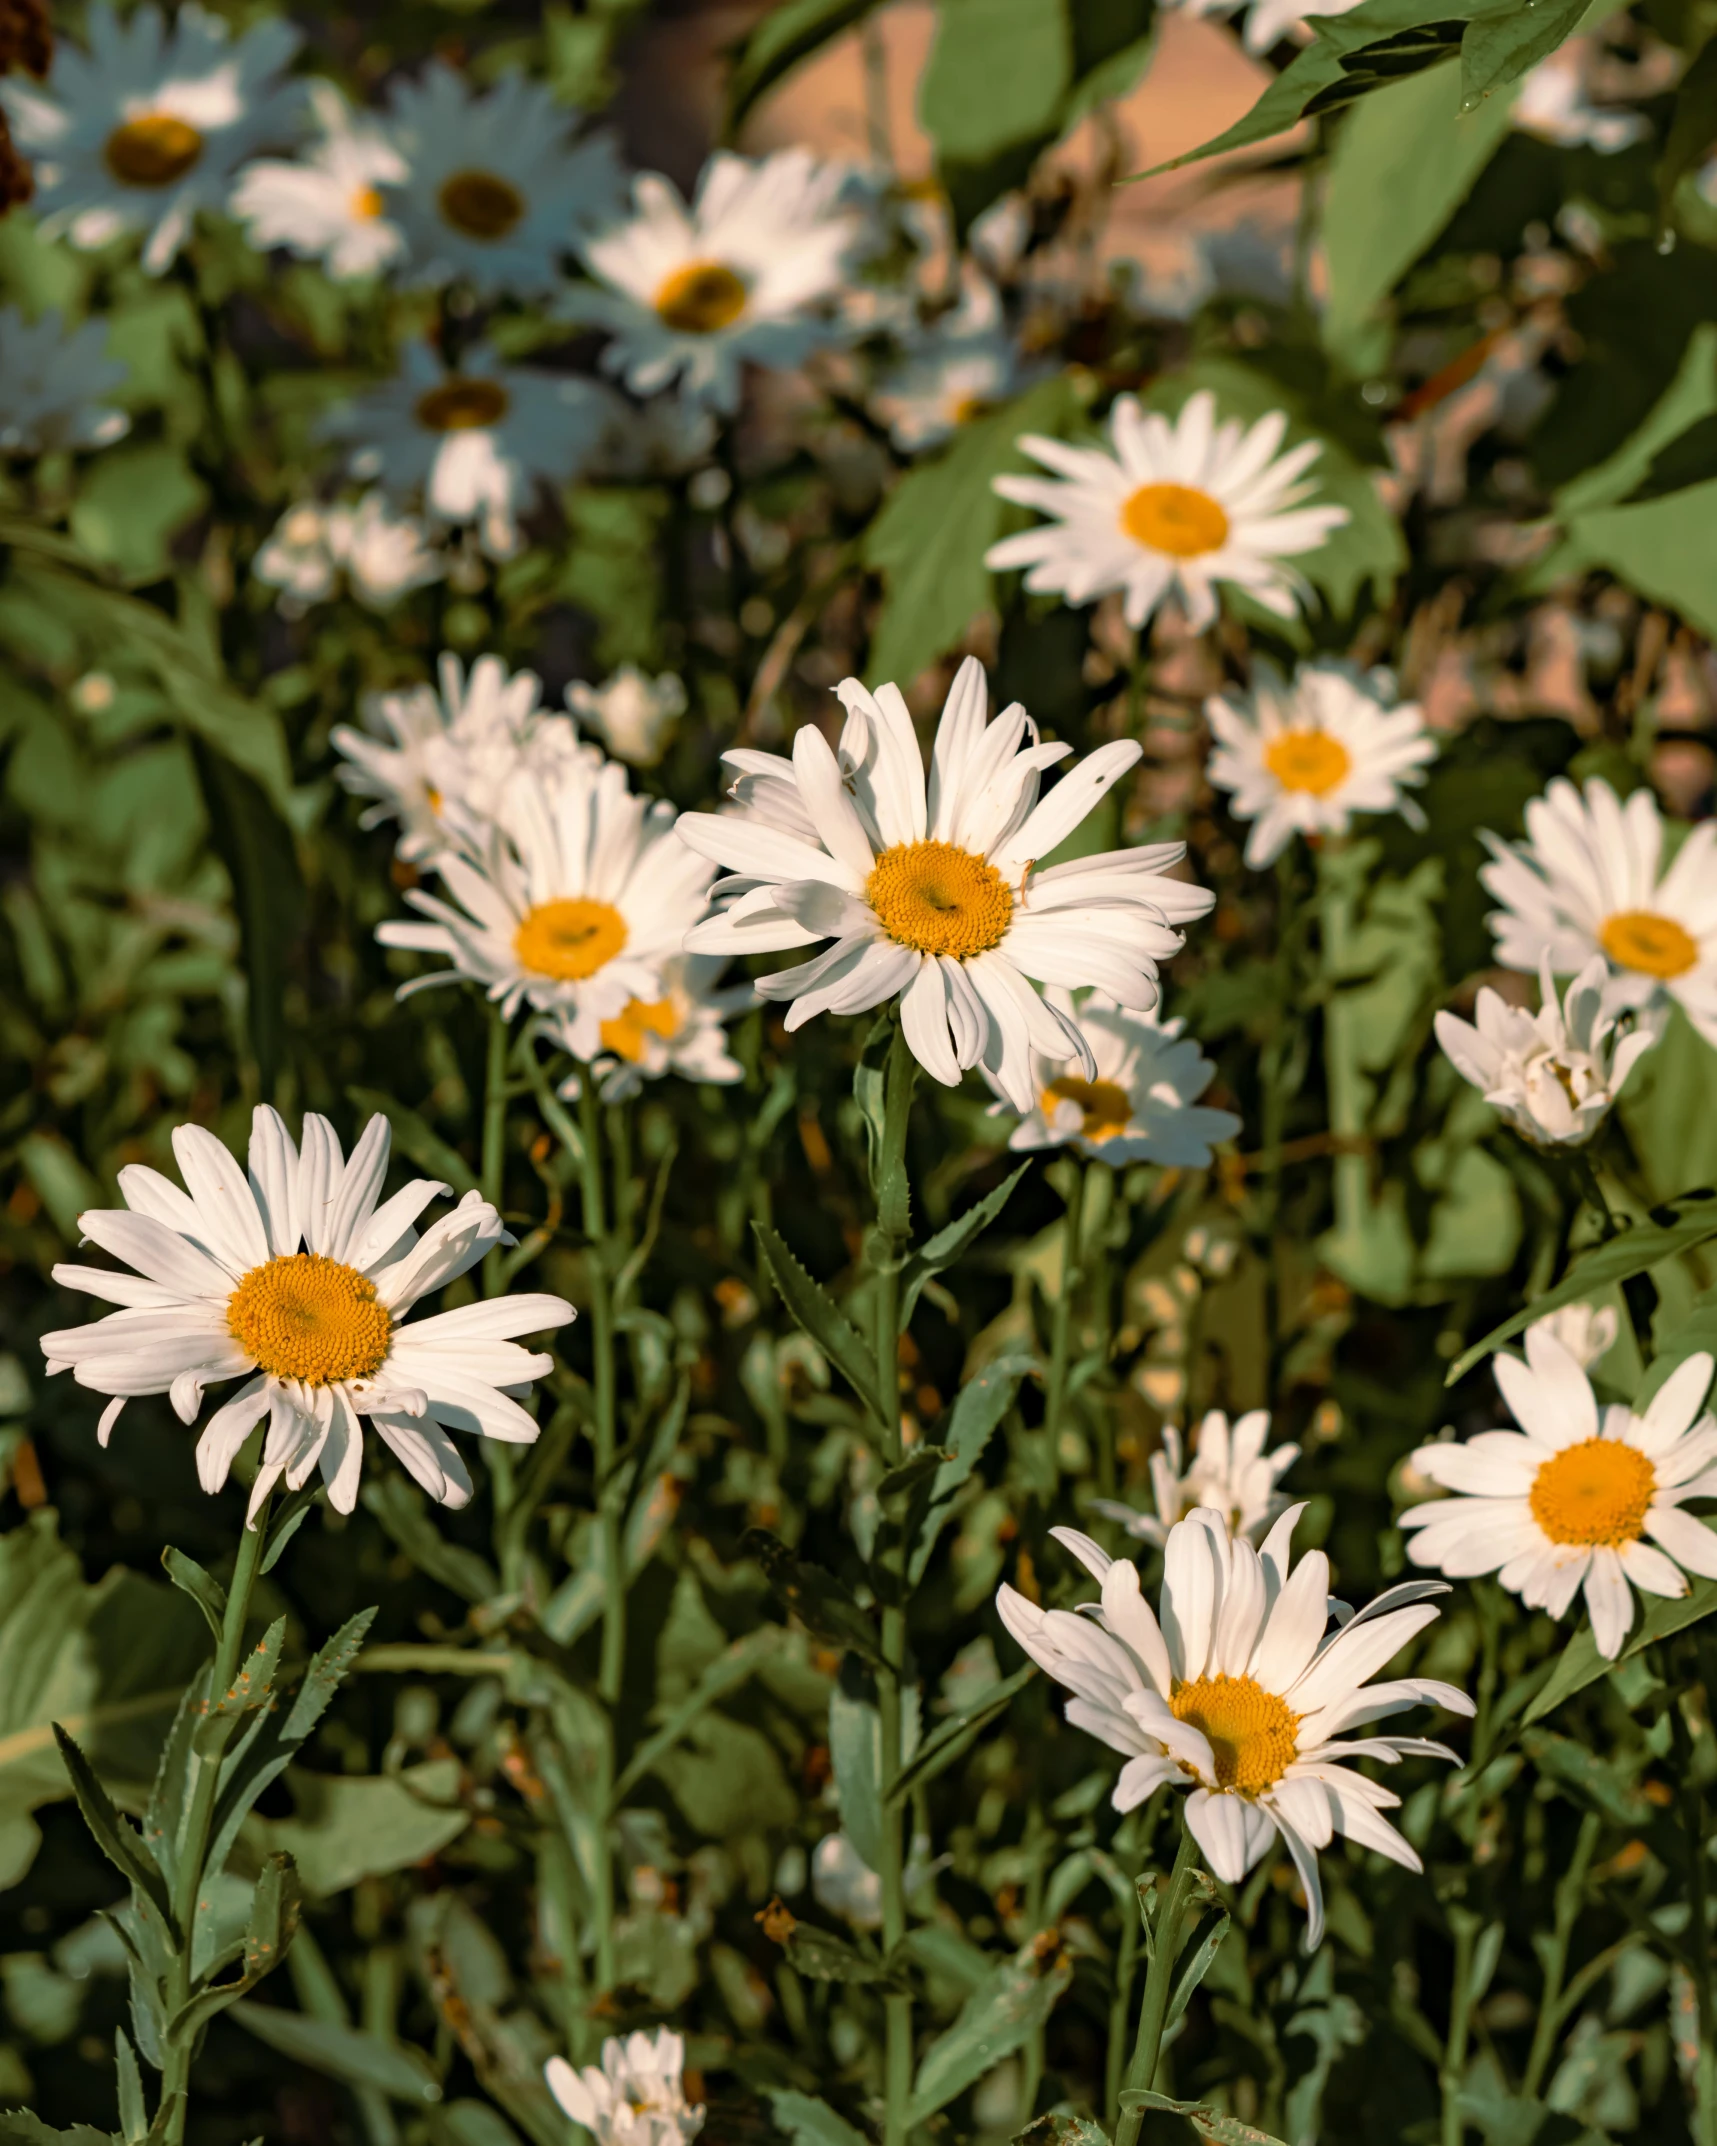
<point>1302,756</point>
<point>1140,1101</point>
<point>1240,1690</point>
<point>380,556</point>
<point>1171,510</point>
<point>52,384</point>
<point>682,1031</point>
<point>934,894</point>
<point>1229,1471</point>
<point>636,2098</point>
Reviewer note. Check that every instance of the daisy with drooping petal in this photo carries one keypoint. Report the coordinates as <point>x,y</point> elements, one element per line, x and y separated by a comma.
<point>638,2098</point>
<point>1302,758</point>
<point>1229,1472</point>
<point>1237,1691</point>
<point>326,205</point>
<point>683,1032</point>
<point>1571,1498</point>
<point>936,897</point>
<point>1554,1074</point>
<point>51,385</point>
<point>1170,510</point>
<point>295,1273</point>
<point>472,444</point>
<point>749,274</point>
<point>571,899</point>
<point>1587,881</point>
<point>1140,1103</point>
<point>492,189</point>
<point>145,128</point>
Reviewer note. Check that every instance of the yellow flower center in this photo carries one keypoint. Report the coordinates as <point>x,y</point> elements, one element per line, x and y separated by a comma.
<point>1594,1493</point>
<point>1108,1108</point>
<point>309,1318</point>
<point>462,404</point>
<point>939,899</point>
<point>628,1034</point>
<point>971,406</point>
<point>153,149</point>
<point>1176,518</point>
<point>1638,939</point>
<point>700,298</point>
<point>1308,760</point>
<point>1250,1730</point>
<point>569,939</point>
<point>366,204</point>
<point>480,204</point>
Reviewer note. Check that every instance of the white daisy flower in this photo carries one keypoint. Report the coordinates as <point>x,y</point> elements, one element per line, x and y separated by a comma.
<point>327,205</point>
<point>51,385</point>
<point>937,898</point>
<point>682,1032</point>
<point>1586,1331</point>
<point>440,761</point>
<point>1302,758</point>
<point>750,273</point>
<point>146,128</point>
<point>638,2098</point>
<point>1553,103</point>
<point>1238,1692</point>
<point>1555,1074</point>
<point>1141,1102</point>
<point>844,1884</point>
<point>1570,1499</point>
<point>1586,881</point>
<point>492,191</point>
<point>1229,1472</point>
<point>1269,21</point>
<point>1170,510</point>
<point>296,1274</point>
<point>472,443</point>
<point>634,716</point>
<point>384,555</point>
<point>571,899</point>
<point>962,365</point>
<point>296,557</point>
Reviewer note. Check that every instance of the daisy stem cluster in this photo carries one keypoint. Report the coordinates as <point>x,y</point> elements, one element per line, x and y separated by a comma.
<point>1163,1935</point>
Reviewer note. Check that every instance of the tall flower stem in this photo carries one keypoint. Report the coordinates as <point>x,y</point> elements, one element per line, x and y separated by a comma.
<point>1159,1984</point>
<point>1553,1951</point>
<point>1345,1082</point>
<point>193,1851</point>
<point>1695,1821</point>
<point>1061,1326</point>
<point>1465,1925</point>
<point>604,1426</point>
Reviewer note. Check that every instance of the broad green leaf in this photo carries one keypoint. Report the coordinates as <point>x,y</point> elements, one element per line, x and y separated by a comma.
<point>815,1597</point>
<point>728,1780</point>
<point>1209,2123</point>
<point>1511,2120</point>
<point>256,846</point>
<point>978,1409</point>
<point>276,1906</point>
<point>116,1837</point>
<point>1665,549</point>
<point>1588,1775</point>
<point>821,1956</point>
<point>809,2122</point>
<point>822,1318</point>
<point>190,1578</point>
<point>131,504</point>
<point>1689,399</point>
<point>1687,1337</point>
<point>950,1242</point>
<point>400,1509</point>
<point>955,1736</point>
<point>351,1826</point>
<point>780,40</point>
<point>19,2128</point>
<point>1499,49</point>
<point>855,1752</point>
<point>996,76</point>
<point>1581,1663</point>
<point>1667,1111</point>
<point>470,2123</point>
<point>342,2052</point>
<point>1692,127</point>
<point>998,2016</point>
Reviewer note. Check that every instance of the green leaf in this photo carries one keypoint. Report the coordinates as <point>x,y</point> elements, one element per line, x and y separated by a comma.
<point>400,1509</point>
<point>951,1242</point>
<point>815,1597</point>
<point>822,1318</point>
<point>855,1752</point>
<point>929,540</point>
<point>1687,1337</point>
<point>978,1409</point>
<point>1590,1777</point>
<point>275,1909</point>
<point>343,2053</point>
<point>809,2122</point>
<point>261,859</point>
<point>132,502</point>
<point>1057,2128</point>
<point>1663,548</point>
<point>821,1956</point>
<point>783,37</point>
<point>948,1743</point>
<point>1499,49</point>
<point>996,76</point>
<point>1677,1226</point>
<point>994,2021</point>
<point>1581,1664</point>
<point>1692,127</point>
<point>19,2128</point>
<point>416,1139</point>
<point>133,2109</point>
<point>253,1686</point>
<point>351,1826</point>
<point>1209,2123</point>
<point>204,1590</point>
<point>116,1837</point>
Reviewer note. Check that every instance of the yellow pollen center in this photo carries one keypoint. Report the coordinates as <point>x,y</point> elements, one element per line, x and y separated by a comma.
<point>153,149</point>
<point>1176,518</point>
<point>366,204</point>
<point>461,404</point>
<point>1108,1108</point>
<point>309,1318</point>
<point>700,298</point>
<point>1594,1493</point>
<point>1638,939</point>
<point>628,1034</point>
<point>939,899</point>
<point>1308,760</point>
<point>480,204</point>
<point>971,406</point>
<point>1250,1730</point>
<point>569,939</point>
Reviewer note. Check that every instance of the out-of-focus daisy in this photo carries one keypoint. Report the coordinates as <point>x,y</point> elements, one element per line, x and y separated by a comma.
<point>1554,103</point>
<point>147,126</point>
<point>937,898</point>
<point>1586,1331</point>
<point>327,204</point>
<point>749,274</point>
<point>1170,509</point>
<point>296,557</point>
<point>493,190</point>
<point>1555,1074</point>
<point>1569,1500</point>
<point>440,761</point>
<point>295,1273</point>
<point>1587,881</point>
<point>682,1032</point>
<point>1302,758</point>
<point>472,443</point>
<point>571,899</point>
<point>1269,21</point>
<point>634,715</point>
<point>381,555</point>
<point>1237,1691</point>
<point>638,2098</point>
<point>1140,1104</point>
<point>1229,1472</point>
<point>962,365</point>
<point>52,383</point>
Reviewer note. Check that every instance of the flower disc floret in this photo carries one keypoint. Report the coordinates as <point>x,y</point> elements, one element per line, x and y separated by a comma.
<point>154,149</point>
<point>1597,1492</point>
<point>1175,518</point>
<point>460,404</point>
<point>1654,945</point>
<point>1251,1731</point>
<point>628,1034</point>
<point>940,899</point>
<point>481,204</point>
<point>570,939</point>
<point>1308,760</point>
<point>701,298</point>
<point>312,1319</point>
<point>1106,1105</point>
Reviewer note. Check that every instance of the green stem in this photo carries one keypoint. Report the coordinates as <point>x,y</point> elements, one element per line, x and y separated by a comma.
<point>1345,1082</point>
<point>1694,1825</point>
<point>1465,1925</point>
<point>494,1137</point>
<point>1061,1326</point>
<point>1126,1962</point>
<point>192,1852</point>
<point>1570,1892</point>
<point>1159,1984</point>
<point>602,1384</point>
